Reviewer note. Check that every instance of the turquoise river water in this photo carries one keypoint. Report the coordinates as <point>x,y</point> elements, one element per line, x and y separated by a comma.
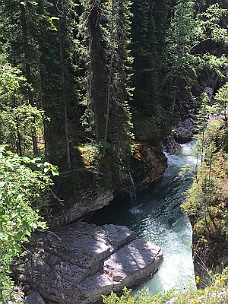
<point>157,217</point>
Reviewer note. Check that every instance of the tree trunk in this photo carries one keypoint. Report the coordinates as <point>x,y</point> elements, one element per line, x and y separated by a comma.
<point>97,76</point>
<point>64,100</point>
<point>28,70</point>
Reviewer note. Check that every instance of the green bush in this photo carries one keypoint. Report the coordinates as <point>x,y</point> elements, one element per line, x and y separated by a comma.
<point>215,293</point>
<point>24,187</point>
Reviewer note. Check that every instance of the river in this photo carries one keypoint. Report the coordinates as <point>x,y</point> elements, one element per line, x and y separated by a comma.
<point>157,217</point>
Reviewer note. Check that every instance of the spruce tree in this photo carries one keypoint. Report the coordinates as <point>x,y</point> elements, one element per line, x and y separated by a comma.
<point>144,51</point>
<point>119,81</point>
<point>106,36</point>
<point>149,25</point>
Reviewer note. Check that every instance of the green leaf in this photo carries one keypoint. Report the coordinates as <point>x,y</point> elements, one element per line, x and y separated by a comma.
<point>54,170</point>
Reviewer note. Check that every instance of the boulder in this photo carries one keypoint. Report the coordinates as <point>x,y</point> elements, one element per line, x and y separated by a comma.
<point>138,259</point>
<point>80,262</point>
<point>184,131</point>
<point>188,124</point>
<point>172,146</point>
<point>182,135</point>
<point>34,298</point>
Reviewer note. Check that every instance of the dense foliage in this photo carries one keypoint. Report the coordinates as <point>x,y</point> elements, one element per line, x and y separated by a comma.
<point>104,72</point>
<point>23,193</point>
<point>206,202</point>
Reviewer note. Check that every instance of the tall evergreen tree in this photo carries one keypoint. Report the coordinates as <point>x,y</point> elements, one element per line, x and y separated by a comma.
<point>183,33</point>
<point>119,85</point>
<point>97,71</point>
<point>144,51</point>
<point>39,38</point>
<point>149,24</point>
<point>107,39</point>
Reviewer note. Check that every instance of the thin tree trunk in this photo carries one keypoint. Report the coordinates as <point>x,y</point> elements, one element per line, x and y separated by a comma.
<point>64,100</point>
<point>109,83</point>
<point>19,148</point>
<point>28,72</point>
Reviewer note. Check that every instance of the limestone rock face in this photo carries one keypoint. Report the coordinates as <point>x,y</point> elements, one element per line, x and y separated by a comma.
<point>83,206</point>
<point>80,262</point>
<point>138,258</point>
<point>149,164</point>
<point>146,167</point>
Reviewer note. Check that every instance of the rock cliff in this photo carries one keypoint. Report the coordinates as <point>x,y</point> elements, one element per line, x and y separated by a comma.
<point>80,262</point>
<point>147,166</point>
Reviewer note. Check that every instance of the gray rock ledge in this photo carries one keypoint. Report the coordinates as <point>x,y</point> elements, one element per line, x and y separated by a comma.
<point>80,262</point>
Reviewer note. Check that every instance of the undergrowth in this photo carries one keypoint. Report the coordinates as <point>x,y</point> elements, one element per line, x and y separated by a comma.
<point>214,293</point>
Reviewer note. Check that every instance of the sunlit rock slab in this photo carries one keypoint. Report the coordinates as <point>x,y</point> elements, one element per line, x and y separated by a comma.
<point>133,263</point>
<point>81,262</point>
<point>86,245</point>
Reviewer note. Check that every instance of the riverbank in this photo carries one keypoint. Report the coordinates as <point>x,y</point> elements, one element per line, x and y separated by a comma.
<point>207,204</point>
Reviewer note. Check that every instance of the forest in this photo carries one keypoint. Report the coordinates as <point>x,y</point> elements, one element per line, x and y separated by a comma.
<point>86,87</point>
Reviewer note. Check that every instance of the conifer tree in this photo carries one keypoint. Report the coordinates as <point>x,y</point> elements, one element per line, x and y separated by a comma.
<point>96,75</point>
<point>108,89</point>
<point>196,42</point>
<point>119,85</point>
<point>144,51</point>
<point>149,25</point>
